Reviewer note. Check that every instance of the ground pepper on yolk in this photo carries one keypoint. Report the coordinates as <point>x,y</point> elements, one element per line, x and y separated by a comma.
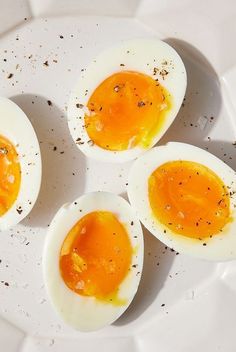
<point>189,199</point>
<point>10,175</point>
<point>96,256</point>
<point>127,109</point>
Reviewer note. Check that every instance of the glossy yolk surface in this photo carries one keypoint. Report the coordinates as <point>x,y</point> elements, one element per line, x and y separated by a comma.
<point>96,256</point>
<point>10,175</point>
<point>127,109</point>
<point>189,198</point>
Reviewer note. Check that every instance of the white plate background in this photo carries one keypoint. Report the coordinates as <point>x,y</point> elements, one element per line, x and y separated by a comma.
<point>199,297</point>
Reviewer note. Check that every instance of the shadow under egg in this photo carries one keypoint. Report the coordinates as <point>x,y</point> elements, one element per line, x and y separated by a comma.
<point>156,267</point>
<point>203,99</point>
<point>63,165</point>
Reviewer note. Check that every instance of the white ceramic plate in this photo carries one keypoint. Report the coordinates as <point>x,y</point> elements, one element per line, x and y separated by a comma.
<point>183,304</point>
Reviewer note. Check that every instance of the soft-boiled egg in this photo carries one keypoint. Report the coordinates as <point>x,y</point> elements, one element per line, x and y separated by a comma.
<point>93,260</point>
<point>126,99</point>
<point>20,165</point>
<point>186,197</point>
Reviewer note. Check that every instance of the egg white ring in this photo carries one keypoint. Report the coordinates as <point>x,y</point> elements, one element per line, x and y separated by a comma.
<point>220,247</point>
<point>16,127</point>
<point>140,55</point>
<point>88,313</point>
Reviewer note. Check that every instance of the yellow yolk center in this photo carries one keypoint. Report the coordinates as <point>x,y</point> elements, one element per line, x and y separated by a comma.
<point>10,175</point>
<point>127,109</point>
<point>189,199</point>
<point>96,256</point>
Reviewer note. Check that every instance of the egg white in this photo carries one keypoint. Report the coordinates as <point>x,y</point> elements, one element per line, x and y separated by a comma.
<point>221,246</point>
<point>16,127</point>
<point>140,55</point>
<point>88,313</point>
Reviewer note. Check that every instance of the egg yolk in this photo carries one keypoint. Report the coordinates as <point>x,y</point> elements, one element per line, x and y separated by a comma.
<point>127,109</point>
<point>96,256</point>
<point>189,199</point>
<point>10,175</point>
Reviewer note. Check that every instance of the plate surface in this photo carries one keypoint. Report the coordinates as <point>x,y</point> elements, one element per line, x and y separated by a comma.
<point>183,304</point>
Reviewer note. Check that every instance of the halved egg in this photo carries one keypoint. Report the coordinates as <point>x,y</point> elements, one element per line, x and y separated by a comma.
<point>20,165</point>
<point>186,197</point>
<point>126,99</point>
<point>93,260</point>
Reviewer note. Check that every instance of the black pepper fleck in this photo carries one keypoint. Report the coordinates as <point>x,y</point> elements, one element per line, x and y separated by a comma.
<point>19,210</point>
<point>116,88</point>
<point>79,106</point>
<point>141,104</point>
<point>3,150</point>
<point>164,73</point>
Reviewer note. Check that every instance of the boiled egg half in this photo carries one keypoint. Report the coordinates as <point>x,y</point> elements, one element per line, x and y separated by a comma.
<point>93,259</point>
<point>186,197</point>
<point>20,165</point>
<point>126,99</point>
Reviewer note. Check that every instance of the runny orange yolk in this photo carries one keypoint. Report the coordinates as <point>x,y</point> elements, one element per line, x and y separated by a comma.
<point>96,256</point>
<point>127,109</point>
<point>10,175</point>
<point>189,198</point>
